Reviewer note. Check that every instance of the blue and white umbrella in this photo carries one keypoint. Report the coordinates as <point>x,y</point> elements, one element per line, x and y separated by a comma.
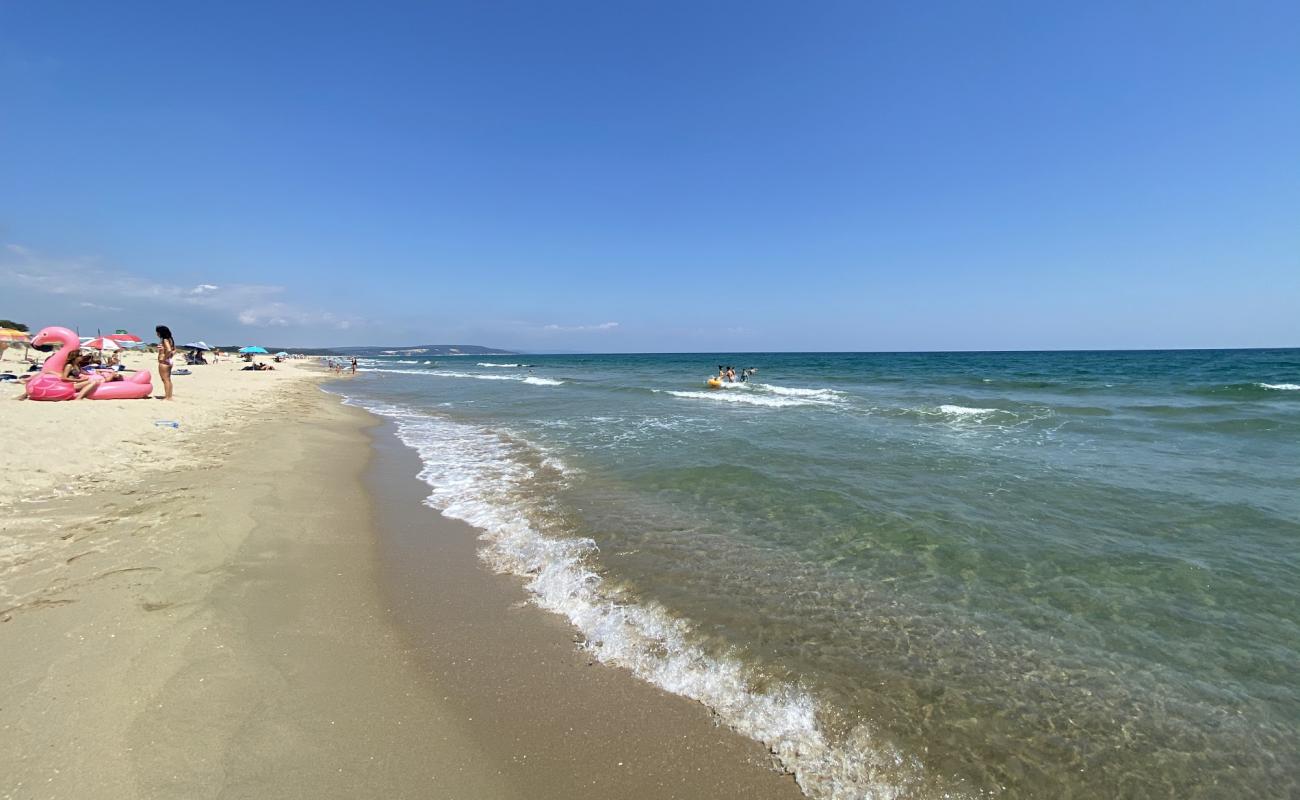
<point>253,349</point>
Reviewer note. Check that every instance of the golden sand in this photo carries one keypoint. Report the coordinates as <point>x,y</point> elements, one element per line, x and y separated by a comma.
<point>215,611</point>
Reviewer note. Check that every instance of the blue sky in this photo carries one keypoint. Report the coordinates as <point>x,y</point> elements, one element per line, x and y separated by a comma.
<point>658,176</point>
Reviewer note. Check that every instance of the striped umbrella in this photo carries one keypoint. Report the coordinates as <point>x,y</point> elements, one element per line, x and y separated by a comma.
<point>123,338</point>
<point>103,343</point>
<point>12,336</point>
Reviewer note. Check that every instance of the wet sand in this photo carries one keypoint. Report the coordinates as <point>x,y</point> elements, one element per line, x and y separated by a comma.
<point>557,724</point>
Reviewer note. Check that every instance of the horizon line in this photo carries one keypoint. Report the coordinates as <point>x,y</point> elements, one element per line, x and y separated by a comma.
<point>808,352</point>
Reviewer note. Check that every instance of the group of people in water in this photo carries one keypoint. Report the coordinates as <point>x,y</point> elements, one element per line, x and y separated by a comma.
<point>338,365</point>
<point>729,375</point>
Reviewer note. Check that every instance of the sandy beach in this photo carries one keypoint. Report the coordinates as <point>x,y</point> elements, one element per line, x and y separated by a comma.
<point>254,604</point>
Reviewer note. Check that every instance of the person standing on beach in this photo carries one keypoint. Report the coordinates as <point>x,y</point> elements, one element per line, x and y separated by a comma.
<point>166,349</point>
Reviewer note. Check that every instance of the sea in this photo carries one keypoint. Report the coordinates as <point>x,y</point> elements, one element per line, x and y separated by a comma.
<point>909,575</point>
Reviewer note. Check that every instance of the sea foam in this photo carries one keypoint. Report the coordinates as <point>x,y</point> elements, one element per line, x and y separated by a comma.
<point>1281,387</point>
<point>475,475</point>
<point>827,395</point>
<point>965,412</point>
<point>744,399</point>
<point>529,379</point>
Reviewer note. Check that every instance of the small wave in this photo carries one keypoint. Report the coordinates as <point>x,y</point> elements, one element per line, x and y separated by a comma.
<point>476,476</point>
<point>965,412</point>
<point>444,373</point>
<point>451,374</point>
<point>362,368</point>
<point>829,395</point>
<point>748,398</point>
<point>1246,391</point>
<point>551,462</point>
<point>971,416</point>
<point>486,364</point>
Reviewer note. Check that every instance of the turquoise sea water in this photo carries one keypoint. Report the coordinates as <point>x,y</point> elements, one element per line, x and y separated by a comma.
<point>911,575</point>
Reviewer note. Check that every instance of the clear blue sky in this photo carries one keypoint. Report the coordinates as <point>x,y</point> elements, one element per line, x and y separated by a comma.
<point>657,176</point>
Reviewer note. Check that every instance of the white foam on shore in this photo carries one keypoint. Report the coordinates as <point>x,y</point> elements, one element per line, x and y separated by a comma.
<point>1281,387</point>
<point>475,476</point>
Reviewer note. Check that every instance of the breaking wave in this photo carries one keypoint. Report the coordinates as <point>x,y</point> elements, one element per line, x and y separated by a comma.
<point>749,399</point>
<point>479,477</point>
<point>529,379</point>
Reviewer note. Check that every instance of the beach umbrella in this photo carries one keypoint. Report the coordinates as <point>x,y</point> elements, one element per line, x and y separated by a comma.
<point>253,349</point>
<point>123,337</point>
<point>102,343</point>
<point>282,353</point>
<point>198,345</point>
<point>12,336</point>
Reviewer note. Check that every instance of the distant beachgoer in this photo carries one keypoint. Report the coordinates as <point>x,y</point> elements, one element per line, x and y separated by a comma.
<point>731,374</point>
<point>354,365</point>
<point>166,351</point>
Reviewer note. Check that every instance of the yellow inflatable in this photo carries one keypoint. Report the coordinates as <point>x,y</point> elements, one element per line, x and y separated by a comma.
<point>714,383</point>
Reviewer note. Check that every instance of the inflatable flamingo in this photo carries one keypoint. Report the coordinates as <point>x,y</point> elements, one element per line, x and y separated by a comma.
<point>49,385</point>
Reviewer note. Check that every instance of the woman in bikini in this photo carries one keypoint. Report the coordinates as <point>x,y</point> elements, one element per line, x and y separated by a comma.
<point>76,370</point>
<point>166,349</point>
<point>91,376</point>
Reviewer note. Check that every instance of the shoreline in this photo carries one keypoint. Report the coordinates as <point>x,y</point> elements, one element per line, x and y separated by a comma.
<point>560,723</point>
<point>234,621</point>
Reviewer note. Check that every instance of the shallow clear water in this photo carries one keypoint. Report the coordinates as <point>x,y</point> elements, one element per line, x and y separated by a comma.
<point>911,575</point>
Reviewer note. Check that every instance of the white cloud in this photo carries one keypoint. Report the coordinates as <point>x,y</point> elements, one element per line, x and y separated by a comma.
<point>604,326</point>
<point>250,304</point>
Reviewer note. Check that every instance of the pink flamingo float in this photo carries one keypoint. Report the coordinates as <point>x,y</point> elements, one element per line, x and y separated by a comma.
<point>49,385</point>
